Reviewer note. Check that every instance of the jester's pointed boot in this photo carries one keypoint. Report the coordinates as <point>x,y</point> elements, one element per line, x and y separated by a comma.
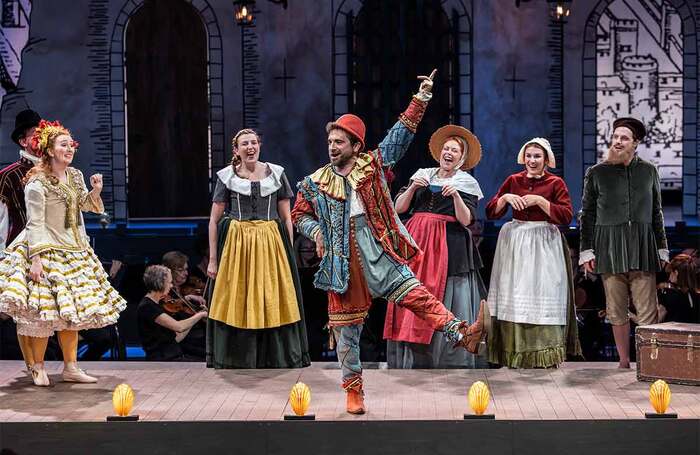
<point>355,401</point>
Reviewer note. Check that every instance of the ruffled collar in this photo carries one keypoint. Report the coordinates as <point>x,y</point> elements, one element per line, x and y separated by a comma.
<point>271,183</point>
<point>333,184</point>
<point>29,157</point>
<point>461,180</point>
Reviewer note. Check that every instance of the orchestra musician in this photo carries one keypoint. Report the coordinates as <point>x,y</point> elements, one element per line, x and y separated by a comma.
<point>184,300</point>
<point>161,334</point>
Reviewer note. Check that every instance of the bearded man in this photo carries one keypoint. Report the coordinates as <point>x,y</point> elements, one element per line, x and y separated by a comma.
<point>345,207</point>
<point>622,231</point>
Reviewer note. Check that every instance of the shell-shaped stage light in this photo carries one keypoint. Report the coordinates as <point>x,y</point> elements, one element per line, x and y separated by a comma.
<point>300,398</point>
<point>123,400</point>
<point>660,396</point>
<point>479,397</point>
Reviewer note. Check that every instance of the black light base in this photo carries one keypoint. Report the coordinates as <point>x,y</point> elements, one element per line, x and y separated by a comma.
<point>122,418</point>
<point>653,415</point>
<point>479,417</point>
<point>296,417</point>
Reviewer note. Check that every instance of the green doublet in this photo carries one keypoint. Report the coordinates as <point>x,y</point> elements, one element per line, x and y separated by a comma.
<point>621,216</point>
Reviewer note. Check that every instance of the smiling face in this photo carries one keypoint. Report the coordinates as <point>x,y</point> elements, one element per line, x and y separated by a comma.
<point>340,149</point>
<point>535,160</point>
<point>248,148</point>
<point>63,150</point>
<point>623,145</point>
<point>451,155</point>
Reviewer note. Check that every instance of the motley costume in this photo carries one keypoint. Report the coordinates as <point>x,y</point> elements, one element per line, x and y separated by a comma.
<point>367,248</point>
<point>531,294</point>
<point>622,228</point>
<point>449,266</point>
<point>256,314</point>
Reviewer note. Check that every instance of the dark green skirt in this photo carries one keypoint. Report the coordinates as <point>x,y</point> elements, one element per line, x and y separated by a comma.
<point>280,347</point>
<point>624,247</point>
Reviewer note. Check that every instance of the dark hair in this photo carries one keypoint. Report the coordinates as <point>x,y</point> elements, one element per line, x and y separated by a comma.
<point>174,259</point>
<point>684,266</point>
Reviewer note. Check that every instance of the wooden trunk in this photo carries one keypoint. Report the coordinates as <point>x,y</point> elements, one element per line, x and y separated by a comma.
<point>669,351</point>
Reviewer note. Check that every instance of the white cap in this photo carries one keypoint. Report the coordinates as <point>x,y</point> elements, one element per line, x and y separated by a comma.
<point>542,142</point>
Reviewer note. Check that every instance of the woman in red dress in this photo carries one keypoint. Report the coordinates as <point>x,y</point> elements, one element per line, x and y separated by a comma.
<point>530,298</point>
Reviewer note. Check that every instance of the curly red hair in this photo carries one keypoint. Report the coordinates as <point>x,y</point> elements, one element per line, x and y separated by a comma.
<point>43,140</point>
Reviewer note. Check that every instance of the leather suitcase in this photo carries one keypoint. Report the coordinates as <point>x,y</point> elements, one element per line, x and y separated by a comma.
<point>669,351</point>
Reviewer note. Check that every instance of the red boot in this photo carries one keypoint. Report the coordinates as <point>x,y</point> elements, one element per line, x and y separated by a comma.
<point>355,399</point>
<point>473,334</point>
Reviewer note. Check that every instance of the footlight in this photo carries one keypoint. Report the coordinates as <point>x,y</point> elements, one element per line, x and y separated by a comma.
<point>123,401</point>
<point>299,400</point>
<point>479,397</point>
<point>660,398</point>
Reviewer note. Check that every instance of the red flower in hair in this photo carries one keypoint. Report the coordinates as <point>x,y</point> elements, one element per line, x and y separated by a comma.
<point>44,132</point>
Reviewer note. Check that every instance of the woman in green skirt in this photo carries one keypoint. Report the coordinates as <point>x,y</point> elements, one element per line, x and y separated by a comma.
<point>530,297</point>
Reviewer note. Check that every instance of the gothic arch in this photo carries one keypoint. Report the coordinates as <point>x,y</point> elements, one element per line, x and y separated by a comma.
<point>344,13</point>
<point>118,102</point>
<point>690,98</point>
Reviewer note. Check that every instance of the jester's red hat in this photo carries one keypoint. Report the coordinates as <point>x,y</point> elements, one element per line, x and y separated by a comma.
<point>351,124</point>
<point>45,132</point>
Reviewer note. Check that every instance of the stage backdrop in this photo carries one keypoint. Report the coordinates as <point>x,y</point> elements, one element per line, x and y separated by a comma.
<point>155,89</point>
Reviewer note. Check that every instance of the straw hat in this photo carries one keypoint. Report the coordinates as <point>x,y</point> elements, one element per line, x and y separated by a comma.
<point>442,134</point>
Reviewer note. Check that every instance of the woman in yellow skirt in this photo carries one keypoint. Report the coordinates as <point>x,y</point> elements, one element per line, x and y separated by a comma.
<point>50,279</point>
<point>256,316</point>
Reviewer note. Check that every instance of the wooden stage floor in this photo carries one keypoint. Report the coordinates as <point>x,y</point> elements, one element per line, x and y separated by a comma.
<point>191,392</point>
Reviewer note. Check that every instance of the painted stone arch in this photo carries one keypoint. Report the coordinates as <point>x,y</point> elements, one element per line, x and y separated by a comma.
<point>118,102</point>
<point>691,117</point>
<point>344,13</point>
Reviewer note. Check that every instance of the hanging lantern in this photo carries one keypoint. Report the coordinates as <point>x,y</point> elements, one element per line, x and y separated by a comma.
<point>300,398</point>
<point>479,397</point>
<point>660,396</point>
<point>123,400</point>
<point>559,10</point>
<point>243,12</point>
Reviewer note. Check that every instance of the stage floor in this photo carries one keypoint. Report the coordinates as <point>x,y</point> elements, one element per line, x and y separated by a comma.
<point>191,392</point>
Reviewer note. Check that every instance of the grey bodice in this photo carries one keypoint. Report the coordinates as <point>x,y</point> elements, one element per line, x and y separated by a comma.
<point>253,206</point>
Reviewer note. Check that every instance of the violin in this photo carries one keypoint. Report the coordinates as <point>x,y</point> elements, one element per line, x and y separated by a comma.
<point>179,307</point>
<point>193,286</point>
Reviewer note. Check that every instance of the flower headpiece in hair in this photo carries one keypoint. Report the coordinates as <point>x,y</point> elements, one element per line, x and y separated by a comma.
<point>45,132</point>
